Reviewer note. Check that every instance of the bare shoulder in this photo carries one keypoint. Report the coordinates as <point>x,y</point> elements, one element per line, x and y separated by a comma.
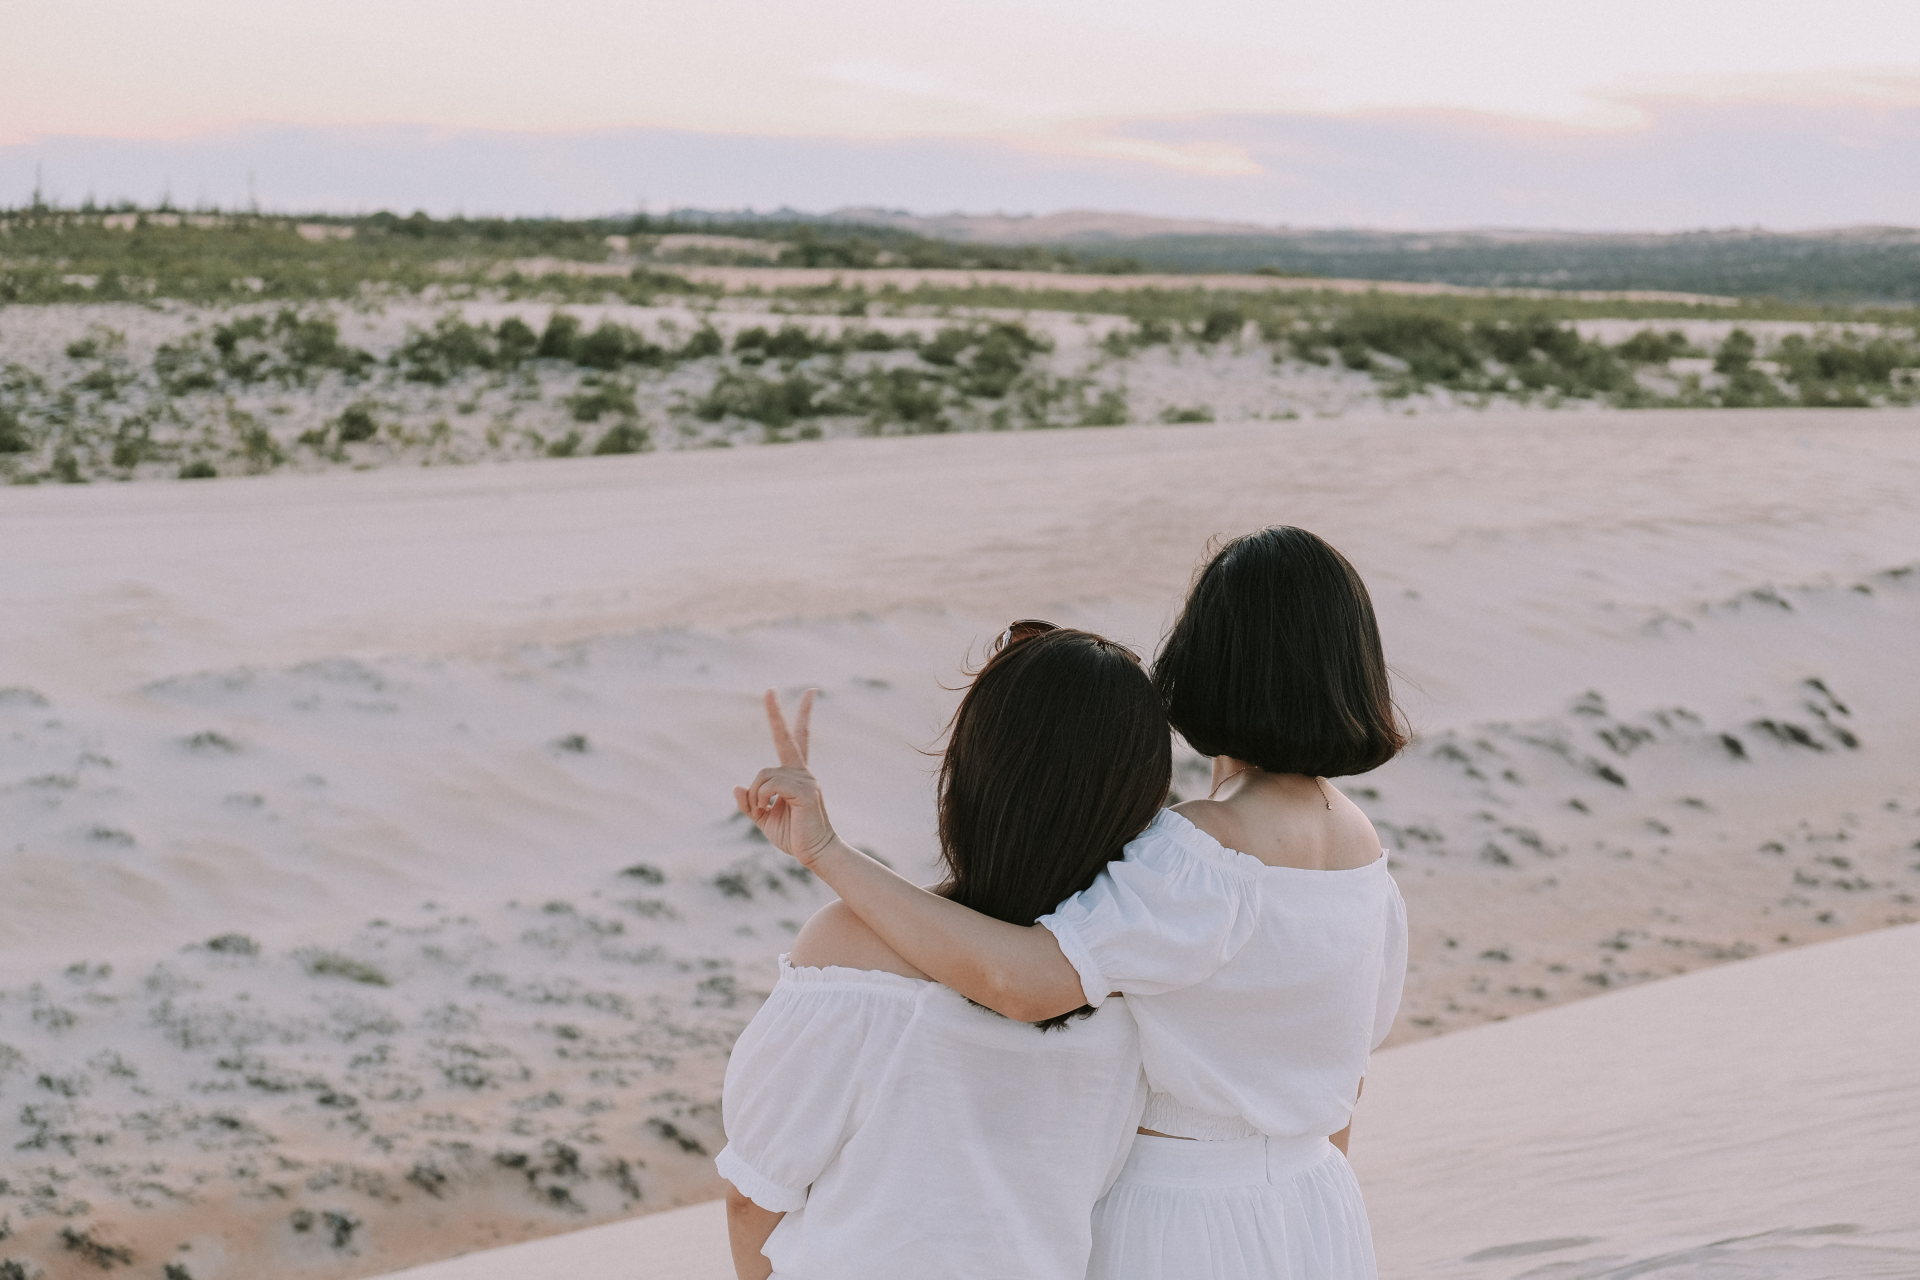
<point>1320,830</point>
<point>1212,817</point>
<point>836,937</point>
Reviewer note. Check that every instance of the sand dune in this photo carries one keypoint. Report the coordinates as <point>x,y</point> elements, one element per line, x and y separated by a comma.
<point>1760,1121</point>
<point>372,891</point>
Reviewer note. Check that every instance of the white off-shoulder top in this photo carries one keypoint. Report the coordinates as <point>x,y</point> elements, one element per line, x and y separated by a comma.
<point>905,1132</point>
<point>1259,991</point>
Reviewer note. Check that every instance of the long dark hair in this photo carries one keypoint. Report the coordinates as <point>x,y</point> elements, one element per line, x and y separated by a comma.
<point>1058,755</point>
<point>1276,661</point>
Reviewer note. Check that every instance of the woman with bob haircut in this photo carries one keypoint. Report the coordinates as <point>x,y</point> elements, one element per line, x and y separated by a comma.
<point>880,1125</point>
<point>1256,934</point>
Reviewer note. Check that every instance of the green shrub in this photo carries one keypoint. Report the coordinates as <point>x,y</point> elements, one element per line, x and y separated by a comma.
<point>561,337</point>
<point>131,444</point>
<point>13,433</point>
<point>622,437</point>
<point>514,341</point>
<point>1198,414</point>
<point>98,341</point>
<point>186,367</point>
<point>947,345</point>
<point>356,423</point>
<point>438,355</point>
<point>770,402</point>
<point>321,964</point>
<point>257,445</point>
<point>876,340</point>
<point>604,348</point>
<point>601,395</point>
<point>1736,353</point>
<point>311,343</point>
<point>791,342</point>
<point>1648,347</point>
<point>566,446</point>
<point>704,342</point>
<point>1109,409</point>
<point>199,469</point>
<point>1221,323</point>
<point>902,397</point>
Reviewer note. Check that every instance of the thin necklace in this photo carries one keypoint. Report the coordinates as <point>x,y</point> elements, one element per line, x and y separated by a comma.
<point>1230,777</point>
<point>1319,786</point>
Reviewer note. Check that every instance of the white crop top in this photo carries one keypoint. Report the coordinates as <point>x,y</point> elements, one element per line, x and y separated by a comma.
<point>905,1132</point>
<point>1259,991</point>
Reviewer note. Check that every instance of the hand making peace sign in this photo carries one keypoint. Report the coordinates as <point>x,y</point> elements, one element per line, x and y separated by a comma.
<point>785,801</point>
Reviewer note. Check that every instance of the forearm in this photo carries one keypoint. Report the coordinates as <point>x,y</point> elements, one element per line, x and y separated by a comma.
<point>748,1226</point>
<point>1015,970</point>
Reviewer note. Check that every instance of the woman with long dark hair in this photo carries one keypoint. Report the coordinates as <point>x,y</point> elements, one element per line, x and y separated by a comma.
<point>879,1125</point>
<point>1258,938</point>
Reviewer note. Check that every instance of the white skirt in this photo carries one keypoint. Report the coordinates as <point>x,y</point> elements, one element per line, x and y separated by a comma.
<point>1251,1209</point>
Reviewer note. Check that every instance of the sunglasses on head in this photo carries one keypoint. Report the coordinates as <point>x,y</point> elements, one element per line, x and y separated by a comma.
<point>1024,629</point>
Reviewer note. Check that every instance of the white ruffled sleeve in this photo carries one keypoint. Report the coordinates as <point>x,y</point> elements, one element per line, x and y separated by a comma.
<point>1165,916</point>
<point>1393,972</point>
<point>802,1076</point>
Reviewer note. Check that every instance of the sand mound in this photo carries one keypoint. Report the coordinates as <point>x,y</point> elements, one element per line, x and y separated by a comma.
<point>1756,1121</point>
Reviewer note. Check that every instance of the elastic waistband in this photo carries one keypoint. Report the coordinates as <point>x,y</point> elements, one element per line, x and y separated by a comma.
<point>1187,1163</point>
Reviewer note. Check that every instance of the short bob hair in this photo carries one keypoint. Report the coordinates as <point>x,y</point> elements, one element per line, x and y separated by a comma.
<point>1276,661</point>
<point>1058,755</point>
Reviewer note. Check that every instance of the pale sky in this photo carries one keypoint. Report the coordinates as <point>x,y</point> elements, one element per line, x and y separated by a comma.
<point>1085,79</point>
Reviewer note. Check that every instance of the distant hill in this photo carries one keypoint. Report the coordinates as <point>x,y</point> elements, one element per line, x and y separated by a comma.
<point>1861,264</point>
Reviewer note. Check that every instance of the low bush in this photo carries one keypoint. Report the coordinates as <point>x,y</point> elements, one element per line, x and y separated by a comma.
<point>1109,409</point>
<point>704,342</point>
<point>623,437</point>
<point>770,402</point>
<point>899,397</point>
<point>599,396</point>
<point>438,355</point>
<point>356,423</point>
<point>13,432</point>
<point>514,341</point>
<point>1648,347</point>
<point>1221,323</point>
<point>561,337</point>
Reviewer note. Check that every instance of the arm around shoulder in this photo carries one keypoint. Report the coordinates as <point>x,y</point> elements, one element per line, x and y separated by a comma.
<point>1018,971</point>
<point>837,938</point>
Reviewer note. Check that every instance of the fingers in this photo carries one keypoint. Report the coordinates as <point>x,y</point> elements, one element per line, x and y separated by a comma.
<point>801,720</point>
<point>783,743</point>
<point>772,787</point>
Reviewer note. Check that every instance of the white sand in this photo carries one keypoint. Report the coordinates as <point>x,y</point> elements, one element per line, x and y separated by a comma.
<point>1761,1120</point>
<point>1757,1120</point>
<point>395,664</point>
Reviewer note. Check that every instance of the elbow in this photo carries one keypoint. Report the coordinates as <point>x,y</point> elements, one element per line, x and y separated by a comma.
<point>1022,1005</point>
<point>738,1202</point>
<point>1021,1010</point>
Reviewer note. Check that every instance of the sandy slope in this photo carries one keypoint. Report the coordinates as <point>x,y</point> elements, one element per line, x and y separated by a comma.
<point>372,894</point>
<point>1759,1121</point>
